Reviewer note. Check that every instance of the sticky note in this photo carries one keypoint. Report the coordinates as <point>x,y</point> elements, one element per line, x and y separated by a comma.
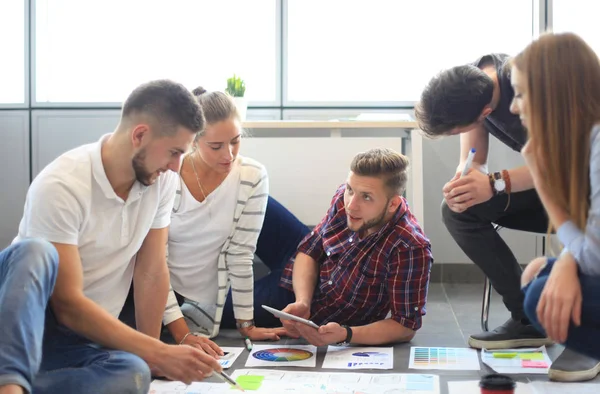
<point>533,364</point>
<point>531,356</point>
<point>504,355</point>
<point>250,382</point>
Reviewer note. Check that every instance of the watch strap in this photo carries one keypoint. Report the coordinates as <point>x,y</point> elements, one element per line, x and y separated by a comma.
<point>348,339</point>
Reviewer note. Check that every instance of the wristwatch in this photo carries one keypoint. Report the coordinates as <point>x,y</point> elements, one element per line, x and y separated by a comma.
<point>346,341</point>
<point>498,183</point>
<point>245,324</point>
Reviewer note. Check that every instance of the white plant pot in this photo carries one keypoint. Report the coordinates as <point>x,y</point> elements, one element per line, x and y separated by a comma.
<point>241,104</point>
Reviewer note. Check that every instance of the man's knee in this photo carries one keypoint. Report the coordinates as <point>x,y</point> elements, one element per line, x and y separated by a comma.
<point>449,217</point>
<point>39,257</point>
<point>129,374</point>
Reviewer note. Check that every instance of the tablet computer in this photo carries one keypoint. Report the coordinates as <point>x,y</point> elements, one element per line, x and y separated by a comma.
<point>287,316</point>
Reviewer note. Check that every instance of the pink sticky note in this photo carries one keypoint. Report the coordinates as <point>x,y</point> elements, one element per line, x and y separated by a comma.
<point>533,364</point>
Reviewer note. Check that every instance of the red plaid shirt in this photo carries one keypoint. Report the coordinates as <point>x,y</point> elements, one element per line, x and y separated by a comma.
<point>361,280</point>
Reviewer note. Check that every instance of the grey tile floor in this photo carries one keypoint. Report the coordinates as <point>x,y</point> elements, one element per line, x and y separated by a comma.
<point>453,313</point>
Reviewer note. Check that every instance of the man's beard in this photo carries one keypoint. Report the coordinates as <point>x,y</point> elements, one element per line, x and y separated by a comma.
<point>142,175</point>
<point>374,222</point>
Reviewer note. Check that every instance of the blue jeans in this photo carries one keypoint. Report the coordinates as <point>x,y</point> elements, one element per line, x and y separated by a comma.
<point>73,364</point>
<point>585,338</point>
<point>277,244</point>
<point>28,272</point>
<point>39,354</point>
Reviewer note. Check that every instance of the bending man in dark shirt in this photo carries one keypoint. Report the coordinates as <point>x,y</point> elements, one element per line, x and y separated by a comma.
<point>475,101</point>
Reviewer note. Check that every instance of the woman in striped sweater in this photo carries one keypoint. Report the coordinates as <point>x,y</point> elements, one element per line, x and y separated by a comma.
<point>217,217</point>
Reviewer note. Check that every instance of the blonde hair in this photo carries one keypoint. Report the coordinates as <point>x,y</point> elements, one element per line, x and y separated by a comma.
<point>217,106</point>
<point>384,163</point>
<point>562,75</point>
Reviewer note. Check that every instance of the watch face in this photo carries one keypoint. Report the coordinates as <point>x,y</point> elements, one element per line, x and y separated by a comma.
<point>499,185</point>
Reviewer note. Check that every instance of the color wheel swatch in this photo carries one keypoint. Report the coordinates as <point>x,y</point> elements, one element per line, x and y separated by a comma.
<point>443,358</point>
<point>282,354</point>
<point>289,356</point>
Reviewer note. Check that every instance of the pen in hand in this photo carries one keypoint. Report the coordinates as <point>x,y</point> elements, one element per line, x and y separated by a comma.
<point>468,163</point>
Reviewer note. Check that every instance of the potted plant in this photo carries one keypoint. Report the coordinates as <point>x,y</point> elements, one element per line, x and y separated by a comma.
<point>236,89</point>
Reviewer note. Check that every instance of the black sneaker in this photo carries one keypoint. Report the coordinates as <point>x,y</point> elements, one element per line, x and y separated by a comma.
<point>511,334</point>
<point>571,366</point>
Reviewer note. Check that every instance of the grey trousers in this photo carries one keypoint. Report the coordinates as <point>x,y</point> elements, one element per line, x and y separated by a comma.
<point>473,231</point>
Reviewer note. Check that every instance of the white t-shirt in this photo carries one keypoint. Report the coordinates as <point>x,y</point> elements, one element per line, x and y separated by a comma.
<point>197,234</point>
<point>72,202</point>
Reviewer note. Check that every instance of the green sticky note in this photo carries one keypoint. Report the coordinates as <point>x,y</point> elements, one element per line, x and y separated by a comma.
<point>250,382</point>
<point>531,356</point>
<point>504,355</point>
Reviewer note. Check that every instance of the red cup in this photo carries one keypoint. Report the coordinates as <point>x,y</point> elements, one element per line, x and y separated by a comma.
<point>497,384</point>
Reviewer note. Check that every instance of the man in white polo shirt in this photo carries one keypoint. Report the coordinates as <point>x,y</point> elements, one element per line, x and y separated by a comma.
<point>106,209</point>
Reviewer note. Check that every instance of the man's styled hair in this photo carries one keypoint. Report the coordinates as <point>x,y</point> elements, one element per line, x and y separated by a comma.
<point>453,98</point>
<point>383,163</point>
<point>170,103</point>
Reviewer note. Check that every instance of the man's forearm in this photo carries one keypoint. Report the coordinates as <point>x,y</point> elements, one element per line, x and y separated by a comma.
<point>304,277</point>
<point>150,295</point>
<point>90,320</point>
<point>381,332</point>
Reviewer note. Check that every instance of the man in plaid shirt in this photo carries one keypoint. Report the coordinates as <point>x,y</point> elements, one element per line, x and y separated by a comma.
<point>368,257</point>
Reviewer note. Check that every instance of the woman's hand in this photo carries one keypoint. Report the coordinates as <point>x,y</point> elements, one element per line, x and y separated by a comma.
<point>263,334</point>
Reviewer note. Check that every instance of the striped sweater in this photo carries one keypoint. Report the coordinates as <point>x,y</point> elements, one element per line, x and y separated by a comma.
<point>237,254</point>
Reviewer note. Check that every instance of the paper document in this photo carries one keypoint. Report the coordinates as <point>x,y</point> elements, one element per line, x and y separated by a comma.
<point>277,382</point>
<point>516,361</point>
<point>231,354</point>
<point>282,356</point>
<point>341,357</point>
<point>444,358</point>
<point>168,387</point>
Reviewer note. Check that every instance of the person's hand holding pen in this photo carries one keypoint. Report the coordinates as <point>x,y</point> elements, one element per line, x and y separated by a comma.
<point>468,187</point>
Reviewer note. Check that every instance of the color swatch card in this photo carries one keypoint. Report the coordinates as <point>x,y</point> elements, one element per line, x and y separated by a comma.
<point>514,361</point>
<point>444,358</point>
<point>282,356</point>
<point>231,354</point>
<point>342,357</point>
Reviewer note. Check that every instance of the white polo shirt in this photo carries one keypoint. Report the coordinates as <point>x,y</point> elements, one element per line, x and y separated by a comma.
<point>72,202</point>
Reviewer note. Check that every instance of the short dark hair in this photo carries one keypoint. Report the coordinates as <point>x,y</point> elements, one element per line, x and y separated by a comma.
<point>170,103</point>
<point>383,163</point>
<point>217,106</point>
<point>453,98</point>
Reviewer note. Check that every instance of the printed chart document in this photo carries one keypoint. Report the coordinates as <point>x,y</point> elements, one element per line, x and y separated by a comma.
<point>516,361</point>
<point>231,354</point>
<point>451,358</point>
<point>278,381</point>
<point>564,388</point>
<point>282,356</point>
<point>341,357</point>
<point>168,387</point>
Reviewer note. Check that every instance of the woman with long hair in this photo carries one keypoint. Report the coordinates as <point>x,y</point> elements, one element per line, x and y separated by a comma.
<point>557,95</point>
